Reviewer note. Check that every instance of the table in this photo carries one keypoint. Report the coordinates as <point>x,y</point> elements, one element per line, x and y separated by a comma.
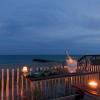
<point>93,92</point>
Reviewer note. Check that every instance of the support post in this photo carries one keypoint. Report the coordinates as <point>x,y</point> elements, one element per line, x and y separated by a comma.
<point>7,85</point>
<point>17,82</point>
<point>12,84</point>
<point>2,85</point>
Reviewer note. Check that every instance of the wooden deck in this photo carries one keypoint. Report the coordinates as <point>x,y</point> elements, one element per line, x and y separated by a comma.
<point>15,87</point>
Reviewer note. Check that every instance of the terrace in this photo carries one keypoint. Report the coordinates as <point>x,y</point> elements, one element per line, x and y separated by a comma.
<point>49,83</point>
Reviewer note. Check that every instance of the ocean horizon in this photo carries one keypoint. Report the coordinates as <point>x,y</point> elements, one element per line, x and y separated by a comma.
<point>28,59</point>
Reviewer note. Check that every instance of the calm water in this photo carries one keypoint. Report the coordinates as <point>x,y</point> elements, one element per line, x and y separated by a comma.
<point>27,59</point>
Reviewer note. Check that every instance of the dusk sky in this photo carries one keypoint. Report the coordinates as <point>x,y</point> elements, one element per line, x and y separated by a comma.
<point>49,26</point>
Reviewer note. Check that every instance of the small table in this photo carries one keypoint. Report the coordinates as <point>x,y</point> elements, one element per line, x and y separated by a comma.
<point>94,92</point>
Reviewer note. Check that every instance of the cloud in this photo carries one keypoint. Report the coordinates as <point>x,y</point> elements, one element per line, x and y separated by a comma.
<point>49,26</point>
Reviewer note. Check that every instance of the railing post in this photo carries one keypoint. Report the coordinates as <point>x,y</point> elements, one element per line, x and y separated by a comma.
<point>95,68</point>
<point>41,88</point>
<point>58,86</point>
<point>69,82</point>
<point>31,87</point>
<point>26,88</point>
<point>92,68</point>
<point>12,84</point>
<point>2,85</point>
<point>48,87</point>
<point>64,85</point>
<point>99,68</point>
<point>17,82</point>
<point>53,88</point>
<point>7,85</point>
<point>22,81</point>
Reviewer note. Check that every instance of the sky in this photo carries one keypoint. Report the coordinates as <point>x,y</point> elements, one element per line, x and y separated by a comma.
<point>49,27</point>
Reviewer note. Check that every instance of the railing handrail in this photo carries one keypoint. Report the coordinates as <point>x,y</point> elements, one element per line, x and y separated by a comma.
<point>61,76</point>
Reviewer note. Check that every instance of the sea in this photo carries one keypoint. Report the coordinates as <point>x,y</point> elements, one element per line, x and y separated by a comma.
<point>8,60</point>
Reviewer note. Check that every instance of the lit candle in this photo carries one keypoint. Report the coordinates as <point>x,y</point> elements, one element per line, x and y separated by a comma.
<point>93,84</point>
<point>25,69</point>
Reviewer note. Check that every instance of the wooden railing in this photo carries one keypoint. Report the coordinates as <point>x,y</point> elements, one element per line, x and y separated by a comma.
<point>55,87</point>
<point>89,68</point>
<point>14,85</point>
<point>10,84</point>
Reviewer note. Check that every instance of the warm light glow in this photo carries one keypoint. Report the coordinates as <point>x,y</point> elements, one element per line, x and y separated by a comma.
<point>25,69</point>
<point>93,84</point>
<point>71,65</point>
<point>71,71</point>
<point>70,60</point>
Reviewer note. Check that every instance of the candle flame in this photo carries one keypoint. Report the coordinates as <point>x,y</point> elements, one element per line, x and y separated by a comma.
<point>93,84</point>
<point>25,69</point>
